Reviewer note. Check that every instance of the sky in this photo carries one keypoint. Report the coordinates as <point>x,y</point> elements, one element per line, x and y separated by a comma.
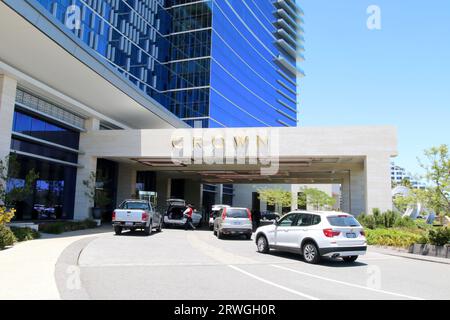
<point>398,75</point>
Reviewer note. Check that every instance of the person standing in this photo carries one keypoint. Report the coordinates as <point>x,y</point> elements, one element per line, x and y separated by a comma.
<point>188,214</point>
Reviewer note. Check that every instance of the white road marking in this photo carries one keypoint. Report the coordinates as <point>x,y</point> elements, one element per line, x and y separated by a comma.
<point>274,284</point>
<point>347,283</point>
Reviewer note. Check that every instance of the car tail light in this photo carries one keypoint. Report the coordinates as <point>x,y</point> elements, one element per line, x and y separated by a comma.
<point>144,216</point>
<point>330,233</point>
<point>224,214</point>
<point>114,216</point>
<point>363,233</point>
<point>249,214</point>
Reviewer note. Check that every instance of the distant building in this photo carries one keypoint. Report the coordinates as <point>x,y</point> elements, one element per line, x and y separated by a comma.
<point>399,174</point>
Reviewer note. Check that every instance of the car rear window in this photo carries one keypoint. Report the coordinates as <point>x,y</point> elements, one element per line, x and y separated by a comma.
<point>343,221</point>
<point>237,213</point>
<point>135,206</point>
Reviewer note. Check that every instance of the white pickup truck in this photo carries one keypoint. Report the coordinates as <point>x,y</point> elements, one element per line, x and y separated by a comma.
<point>136,214</point>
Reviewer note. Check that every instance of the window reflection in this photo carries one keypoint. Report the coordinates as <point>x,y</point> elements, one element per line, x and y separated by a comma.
<point>53,194</point>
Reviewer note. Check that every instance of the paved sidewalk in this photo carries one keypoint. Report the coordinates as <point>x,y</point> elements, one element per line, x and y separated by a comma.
<point>27,270</point>
<point>405,254</point>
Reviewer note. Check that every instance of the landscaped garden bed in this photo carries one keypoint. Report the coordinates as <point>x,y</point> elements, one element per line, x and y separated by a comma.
<point>391,230</point>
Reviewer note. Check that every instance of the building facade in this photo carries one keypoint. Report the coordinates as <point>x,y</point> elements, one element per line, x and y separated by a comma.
<point>205,61</point>
<point>77,74</point>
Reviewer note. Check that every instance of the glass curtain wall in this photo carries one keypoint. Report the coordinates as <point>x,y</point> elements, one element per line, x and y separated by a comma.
<point>54,190</point>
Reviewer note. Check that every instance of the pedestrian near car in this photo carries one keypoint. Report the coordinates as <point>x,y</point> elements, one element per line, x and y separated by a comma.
<point>188,214</point>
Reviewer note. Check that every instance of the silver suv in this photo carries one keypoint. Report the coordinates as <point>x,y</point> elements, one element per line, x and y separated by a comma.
<point>233,221</point>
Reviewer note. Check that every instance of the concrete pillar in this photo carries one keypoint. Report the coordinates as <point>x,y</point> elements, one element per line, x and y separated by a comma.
<point>126,182</point>
<point>378,182</point>
<point>163,186</point>
<point>8,88</point>
<point>193,193</point>
<point>219,194</point>
<point>357,191</point>
<point>295,188</point>
<point>345,193</point>
<point>83,203</point>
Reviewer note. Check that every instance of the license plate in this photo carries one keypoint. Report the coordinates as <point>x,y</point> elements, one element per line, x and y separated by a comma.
<point>128,224</point>
<point>237,222</point>
<point>351,235</point>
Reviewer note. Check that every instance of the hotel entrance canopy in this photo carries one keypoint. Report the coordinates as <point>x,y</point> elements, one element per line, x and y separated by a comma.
<point>358,158</point>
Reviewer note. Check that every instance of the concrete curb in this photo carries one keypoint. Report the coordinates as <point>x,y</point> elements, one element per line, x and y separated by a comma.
<point>398,252</point>
<point>68,273</point>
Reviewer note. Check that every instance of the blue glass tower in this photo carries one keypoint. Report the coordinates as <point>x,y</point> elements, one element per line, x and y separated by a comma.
<point>221,63</point>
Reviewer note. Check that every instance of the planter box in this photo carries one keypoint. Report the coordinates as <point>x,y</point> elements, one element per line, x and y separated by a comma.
<point>430,250</point>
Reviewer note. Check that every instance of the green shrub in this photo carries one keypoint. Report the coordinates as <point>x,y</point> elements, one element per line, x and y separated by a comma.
<point>405,222</point>
<point>390,218</point>
<point>377,219</point>
<point>25,234</point>
<point>65,226</point>
<point>423,239</point>
<point>440,236</point>
<point>392,237</point>
<point>7,237</point>
<point>422,224</point>
<point>367,221</point>
<point>53,228</point>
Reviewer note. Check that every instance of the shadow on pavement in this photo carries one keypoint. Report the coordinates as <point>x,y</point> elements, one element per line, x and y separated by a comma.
<point>326,262</point>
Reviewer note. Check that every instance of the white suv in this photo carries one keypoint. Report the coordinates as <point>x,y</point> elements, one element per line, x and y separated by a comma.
<point>314,234</point>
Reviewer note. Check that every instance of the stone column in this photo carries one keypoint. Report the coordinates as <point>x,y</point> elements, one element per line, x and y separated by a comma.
<point>345,193</point>
<point>193,193</point>
<point>357,191</point>
<point>126,182</point>
<point>83,203</point>
<point>294,196</point>
<point>8,88</point>
<point>163,186</point>
<point>219,194</point>
<point>378,182</point>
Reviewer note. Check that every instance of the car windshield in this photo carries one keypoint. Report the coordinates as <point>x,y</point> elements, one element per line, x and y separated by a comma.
<point>343,221</point>
<point>237,213</point>
<point>135,205</point>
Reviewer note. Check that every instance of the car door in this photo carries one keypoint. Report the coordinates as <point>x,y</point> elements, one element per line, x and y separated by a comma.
<point>158,217</point>
<point>299,230</point>
<point>283,230</point>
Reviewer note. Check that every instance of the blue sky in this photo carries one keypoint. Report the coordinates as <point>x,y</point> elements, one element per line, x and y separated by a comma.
<point>399,75</point>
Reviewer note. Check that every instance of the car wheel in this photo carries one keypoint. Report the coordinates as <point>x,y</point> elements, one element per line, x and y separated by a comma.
<point>262,244</point>
<point>311,253</point>
<point>248,236</point>
<point>350,259</point>
<point>118,231</point>
<point>211,228</point>
<point>148,230</point>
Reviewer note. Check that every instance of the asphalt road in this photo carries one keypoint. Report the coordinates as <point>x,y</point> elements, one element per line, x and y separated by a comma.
<point>178,264</point>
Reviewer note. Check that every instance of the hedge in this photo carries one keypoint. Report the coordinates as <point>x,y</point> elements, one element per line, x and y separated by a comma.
<point>24,234</point>
<point>65,226</point>
<point>392,237</point>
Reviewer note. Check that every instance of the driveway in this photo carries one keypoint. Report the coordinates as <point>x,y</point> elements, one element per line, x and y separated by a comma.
<point>178,264</point>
